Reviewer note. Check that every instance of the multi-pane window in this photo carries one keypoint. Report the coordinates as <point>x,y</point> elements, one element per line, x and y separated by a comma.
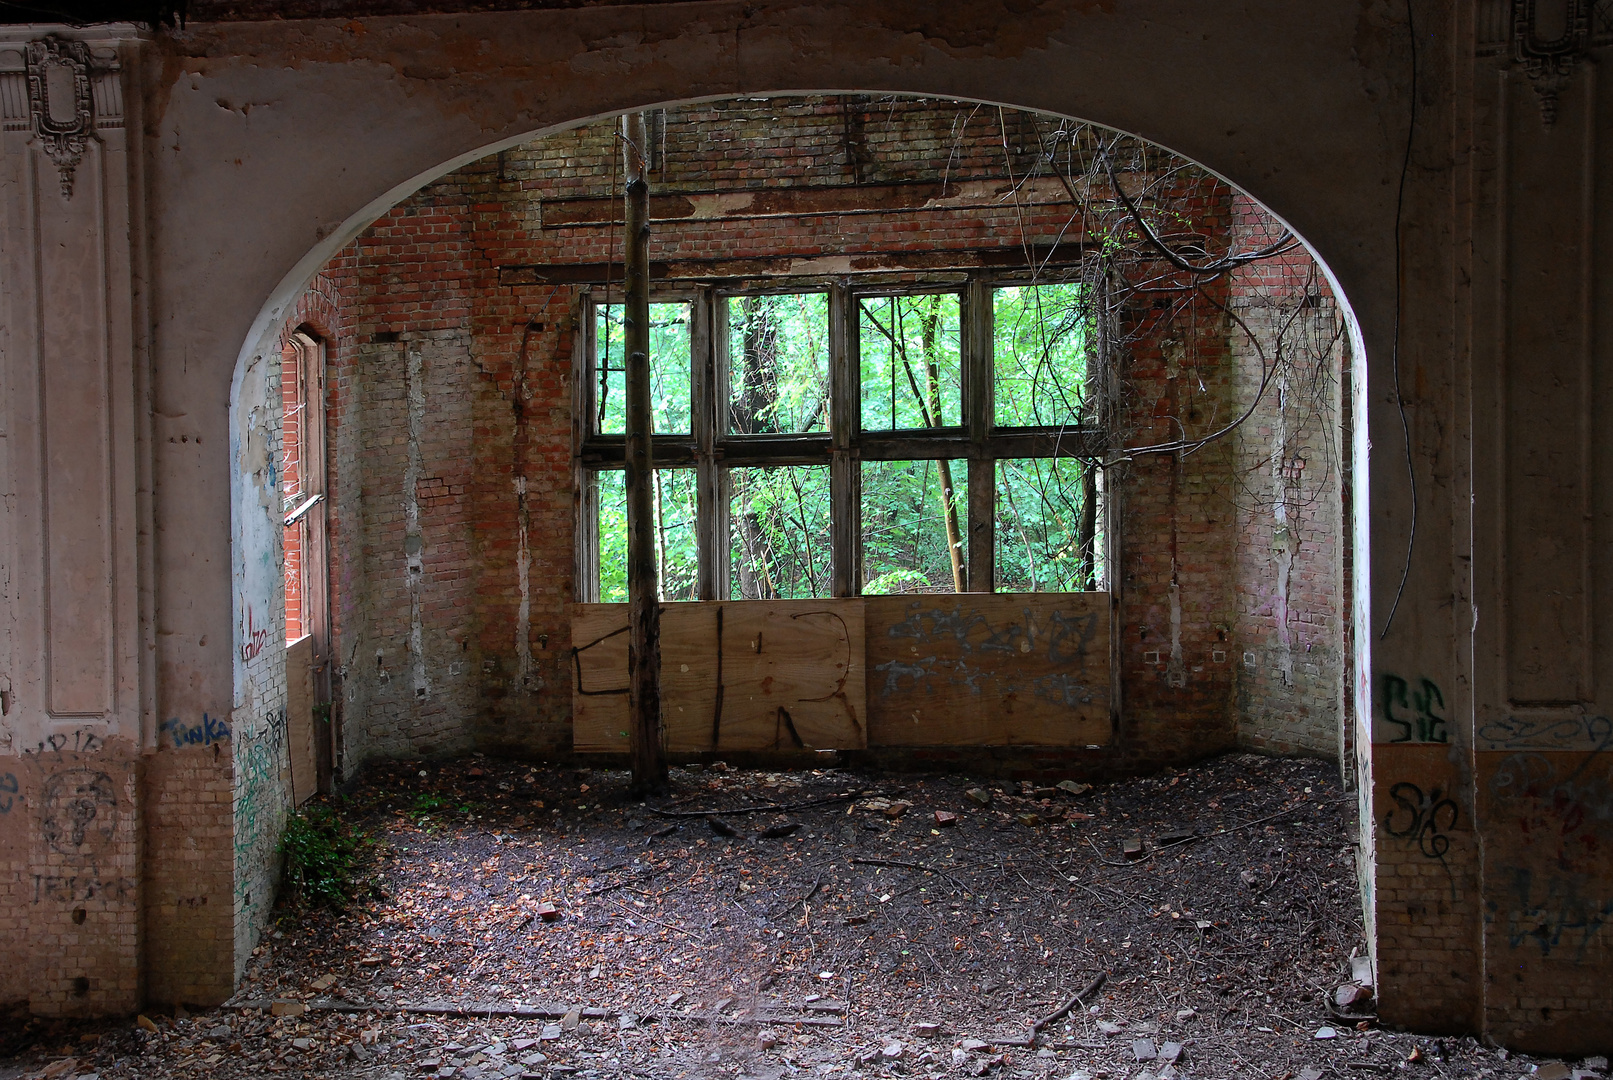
<point>833,440</point>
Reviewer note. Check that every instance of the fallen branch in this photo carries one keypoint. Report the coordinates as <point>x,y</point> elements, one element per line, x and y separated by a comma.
<point>777,807</point>
<point>1064,1010</point>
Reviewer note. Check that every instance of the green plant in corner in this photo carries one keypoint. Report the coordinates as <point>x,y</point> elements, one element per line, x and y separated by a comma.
<point>321,854</point>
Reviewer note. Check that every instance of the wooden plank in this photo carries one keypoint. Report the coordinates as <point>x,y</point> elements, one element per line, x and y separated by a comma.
<point>792,675</point>
<point>1010,669</point>
<point>599,676</point>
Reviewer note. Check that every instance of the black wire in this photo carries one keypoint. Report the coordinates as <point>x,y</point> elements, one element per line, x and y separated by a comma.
<point>1394,353</point>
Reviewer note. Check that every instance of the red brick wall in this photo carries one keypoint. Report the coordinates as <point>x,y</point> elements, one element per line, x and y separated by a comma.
<point>450,422</point>
<point>1290,460</point>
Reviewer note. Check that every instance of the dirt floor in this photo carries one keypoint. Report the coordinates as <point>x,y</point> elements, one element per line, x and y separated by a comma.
<point>533,922</point>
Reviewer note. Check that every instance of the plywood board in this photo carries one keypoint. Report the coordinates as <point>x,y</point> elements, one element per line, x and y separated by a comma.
<point>790,675</point>
<point>978,669</point>
<point>599,675</point>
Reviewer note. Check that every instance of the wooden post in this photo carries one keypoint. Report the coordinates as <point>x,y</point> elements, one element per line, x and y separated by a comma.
<point>643,585</point>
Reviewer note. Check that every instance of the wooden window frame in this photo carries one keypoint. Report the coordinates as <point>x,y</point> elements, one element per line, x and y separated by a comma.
<point>712,451</point>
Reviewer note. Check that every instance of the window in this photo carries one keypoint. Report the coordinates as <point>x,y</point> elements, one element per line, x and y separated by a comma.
<point>840,439</point>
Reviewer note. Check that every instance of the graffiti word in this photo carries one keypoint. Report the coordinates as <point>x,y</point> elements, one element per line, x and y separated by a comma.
<point>68,890</point>
<point>1419,710</point>
<point>1560,911</point>
<point>8,791</point>
<point>82,741</point>
<point>1550,733</point>
<point>253,637</point>
<point>77,805</point>
<point>206,733</point>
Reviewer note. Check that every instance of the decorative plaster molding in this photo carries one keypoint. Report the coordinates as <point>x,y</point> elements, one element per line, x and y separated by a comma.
<point>1550,62</point>
<point>66,82</point>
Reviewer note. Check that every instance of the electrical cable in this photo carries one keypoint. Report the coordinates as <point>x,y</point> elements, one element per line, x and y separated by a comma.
<point>1394,352</point>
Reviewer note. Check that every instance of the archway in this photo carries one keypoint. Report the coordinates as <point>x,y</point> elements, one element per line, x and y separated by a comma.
<point>413,348</point>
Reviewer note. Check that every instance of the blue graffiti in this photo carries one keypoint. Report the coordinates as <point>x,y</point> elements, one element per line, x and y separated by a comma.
<point>8,792</point>
<point>206,733</point>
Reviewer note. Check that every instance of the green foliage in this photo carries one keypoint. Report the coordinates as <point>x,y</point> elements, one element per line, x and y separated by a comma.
<point>905,525</point>
<point>1039,354</point>
<point>674,530</point>
<point>912,361</point>
<point>778,360</point>
<point>1039,507</point>
<point>779,532</point>
<point>911,372</point>
<point>321,854</point>
<point>669,368</point>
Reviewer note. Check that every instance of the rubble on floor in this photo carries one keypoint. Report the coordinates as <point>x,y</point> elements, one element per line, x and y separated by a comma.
<point>532,922</point>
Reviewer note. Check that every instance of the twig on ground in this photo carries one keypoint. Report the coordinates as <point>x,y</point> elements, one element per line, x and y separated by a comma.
<point>1064,1010</point>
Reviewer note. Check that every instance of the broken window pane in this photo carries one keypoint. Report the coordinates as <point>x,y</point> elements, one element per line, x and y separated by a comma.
<point>1039,349</point>
<point>779,532</point>
<point>911,363</point>
<point>914,517</point>
<point>669,369</point>
<point>778,364</point>
<point>1049,534</point>
<point>674,535</point>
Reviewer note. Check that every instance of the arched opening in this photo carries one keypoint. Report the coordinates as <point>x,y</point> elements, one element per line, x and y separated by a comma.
<point>1078,380</point>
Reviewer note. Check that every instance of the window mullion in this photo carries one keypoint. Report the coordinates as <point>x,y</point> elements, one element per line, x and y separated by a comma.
<point>709,396</point>
<point>845,496</point>
<point>978,401</point>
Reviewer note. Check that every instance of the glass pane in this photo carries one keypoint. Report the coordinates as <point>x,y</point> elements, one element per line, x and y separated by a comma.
<point>778,364</point>
<point>779,532</point>
<point>914,517</point>
<point>674,531</point>
<point>1049,531</point>
<point>912,371</point>
<point>1039,349</point>
<point>669,369</point>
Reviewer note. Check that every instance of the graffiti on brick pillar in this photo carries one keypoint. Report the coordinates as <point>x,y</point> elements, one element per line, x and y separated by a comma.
<point>253,636</point>
<point>1561,809</point>
<point>8,791</point>
<point>78,808</point>
<point>70,889</point>
<point>1424,821</point>
<point>261,752</point>
<point>209,731</point>
<point>1417,710</point>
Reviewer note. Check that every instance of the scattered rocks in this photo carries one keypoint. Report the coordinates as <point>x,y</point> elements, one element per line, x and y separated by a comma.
<point>978,796</point>
<point>945,819</point>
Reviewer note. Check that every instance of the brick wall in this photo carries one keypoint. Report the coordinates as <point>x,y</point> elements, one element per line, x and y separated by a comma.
<point>1288,490</point>
<point>450,423</point>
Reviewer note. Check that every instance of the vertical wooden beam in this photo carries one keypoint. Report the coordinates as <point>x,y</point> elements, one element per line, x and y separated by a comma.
<point>845,472</point>
<point>643,585</point>
<point>710,409</point>
<point>979,390</point>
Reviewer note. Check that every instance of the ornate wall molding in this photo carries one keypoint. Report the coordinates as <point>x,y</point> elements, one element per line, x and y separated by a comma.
<point>69,87</point>
<point>1550,37</point>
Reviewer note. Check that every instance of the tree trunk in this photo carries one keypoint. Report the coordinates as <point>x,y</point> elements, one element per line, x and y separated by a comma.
<point>949,505</point>
<point>643,585</point>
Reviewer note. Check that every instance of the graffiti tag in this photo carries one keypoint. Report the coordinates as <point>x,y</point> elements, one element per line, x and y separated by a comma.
<point>206,733</point>
<point>1418,712</point>
<point>8,791</point>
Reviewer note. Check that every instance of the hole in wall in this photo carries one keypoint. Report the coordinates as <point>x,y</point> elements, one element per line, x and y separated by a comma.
<point>79,915</point>
<point>81,986</point>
